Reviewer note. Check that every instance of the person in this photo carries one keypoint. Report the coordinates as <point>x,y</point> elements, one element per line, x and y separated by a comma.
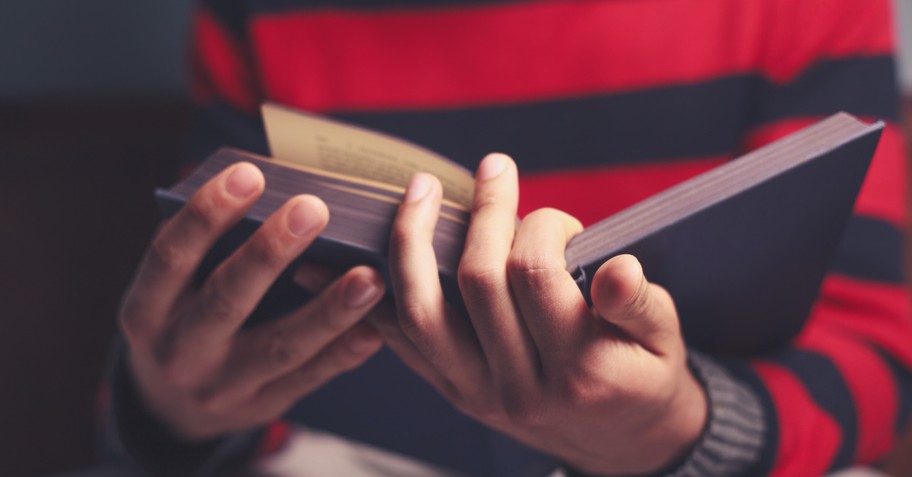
<point>601,103</point>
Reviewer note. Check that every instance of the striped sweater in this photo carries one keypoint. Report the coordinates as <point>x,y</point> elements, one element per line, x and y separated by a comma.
<point>603,103</point>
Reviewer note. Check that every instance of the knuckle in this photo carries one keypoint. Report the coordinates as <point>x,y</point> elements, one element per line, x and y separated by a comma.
<point>169,256</point>
<point>218,305</point>
<point>413,319</point>
<point>533,269</point>
<point>475,276</point>
<point>525,262</point>
<point>332,320</point>
<point>484,200</point>
<point>268,250</point>
<point>280,350</point>
<point>640,303</point>
<point>201,211</point>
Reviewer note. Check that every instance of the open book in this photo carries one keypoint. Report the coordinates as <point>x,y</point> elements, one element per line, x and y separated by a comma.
<point>742,248</point>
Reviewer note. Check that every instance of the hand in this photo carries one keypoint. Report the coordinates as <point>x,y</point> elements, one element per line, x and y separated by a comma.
<point>194,367</point>
<point>606,389</point>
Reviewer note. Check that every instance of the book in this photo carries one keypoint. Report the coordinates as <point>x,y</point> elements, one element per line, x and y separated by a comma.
<point>742,248</point>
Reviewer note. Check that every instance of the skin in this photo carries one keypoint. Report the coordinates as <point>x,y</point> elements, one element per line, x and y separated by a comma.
<point>606,389</point>
<point>195,368</point>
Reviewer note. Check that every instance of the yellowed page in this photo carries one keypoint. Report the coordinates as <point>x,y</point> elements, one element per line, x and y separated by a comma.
<point>332,146</point>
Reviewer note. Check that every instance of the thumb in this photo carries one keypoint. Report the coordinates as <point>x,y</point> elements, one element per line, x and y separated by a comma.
<point>623,297</point>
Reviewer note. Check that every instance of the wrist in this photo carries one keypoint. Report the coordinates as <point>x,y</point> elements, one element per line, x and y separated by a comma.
<point>736,427</point>
<point>671,439</point>
<point>731,440</point>
<point>657,441</point>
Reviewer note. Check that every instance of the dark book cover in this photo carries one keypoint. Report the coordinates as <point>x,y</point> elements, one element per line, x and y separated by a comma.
<point>742,248</point>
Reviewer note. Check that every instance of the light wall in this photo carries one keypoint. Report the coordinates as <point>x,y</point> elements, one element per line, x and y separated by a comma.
<point>52,49</point>
<point>904,26</point>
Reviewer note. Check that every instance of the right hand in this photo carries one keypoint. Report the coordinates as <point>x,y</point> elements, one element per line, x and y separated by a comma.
<point>194,367</point>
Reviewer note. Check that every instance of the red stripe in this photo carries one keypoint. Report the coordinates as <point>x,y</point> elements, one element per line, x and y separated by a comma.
<point>883,195</point>
<point>863,371</point>
<point>878,313</point>
<point>594,194</point>
<point>480,55</point>
<point>884,192</point>
<point>799,32</point>
<point>274,438</point>
<point>808,437</point>
<point>221,68</point>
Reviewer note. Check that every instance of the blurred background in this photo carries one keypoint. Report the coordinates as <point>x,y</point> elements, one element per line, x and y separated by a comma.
<point>92,115</point>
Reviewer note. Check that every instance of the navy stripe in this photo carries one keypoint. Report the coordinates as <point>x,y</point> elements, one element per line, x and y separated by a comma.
<point>829,391</point>
<point>654,124</point>
<point>871,249</point>
<point>859,85</point>
<point>233,14</point>
<point>219,125</point>
<point>650,124</point>
<point>740,370</point>
<point>902,375</point>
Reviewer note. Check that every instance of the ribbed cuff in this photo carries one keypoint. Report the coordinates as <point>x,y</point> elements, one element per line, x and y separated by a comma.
<point>736,428</point>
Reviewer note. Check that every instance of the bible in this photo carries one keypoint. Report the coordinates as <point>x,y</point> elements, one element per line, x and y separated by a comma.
<point>742,248</point>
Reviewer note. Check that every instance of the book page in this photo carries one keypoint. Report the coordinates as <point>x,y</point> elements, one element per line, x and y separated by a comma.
<point>333,146</point>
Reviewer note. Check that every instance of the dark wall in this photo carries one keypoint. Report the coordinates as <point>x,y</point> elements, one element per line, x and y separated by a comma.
<point>91,121</point>
<point>76,211</point>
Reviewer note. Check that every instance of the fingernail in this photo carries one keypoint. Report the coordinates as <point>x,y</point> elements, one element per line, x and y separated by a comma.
<point>362,343</point>
<point>242,182</point>
<point>360,291</point>
<point>303,219</point>
<point>418,187</point>
<point>491,166</point>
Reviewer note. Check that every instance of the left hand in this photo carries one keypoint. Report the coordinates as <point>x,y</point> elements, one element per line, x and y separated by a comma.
<point>605,389</point>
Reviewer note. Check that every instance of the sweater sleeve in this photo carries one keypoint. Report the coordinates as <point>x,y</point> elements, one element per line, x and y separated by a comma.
<point>841,393</point>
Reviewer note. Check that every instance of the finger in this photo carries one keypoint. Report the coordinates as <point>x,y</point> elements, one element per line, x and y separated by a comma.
<point>482,275</point>
<point>314,277</point>
<point>442,337</point>
<point>235,287</point>
<point>266,352</point>
<point>176,251</point>
<point>644,311</point>
<point>552,305</point>
<point>344,354</point>
<point>383,318</point>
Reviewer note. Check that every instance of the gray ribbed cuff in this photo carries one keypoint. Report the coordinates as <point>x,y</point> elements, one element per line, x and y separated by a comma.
<point>736,427</point>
